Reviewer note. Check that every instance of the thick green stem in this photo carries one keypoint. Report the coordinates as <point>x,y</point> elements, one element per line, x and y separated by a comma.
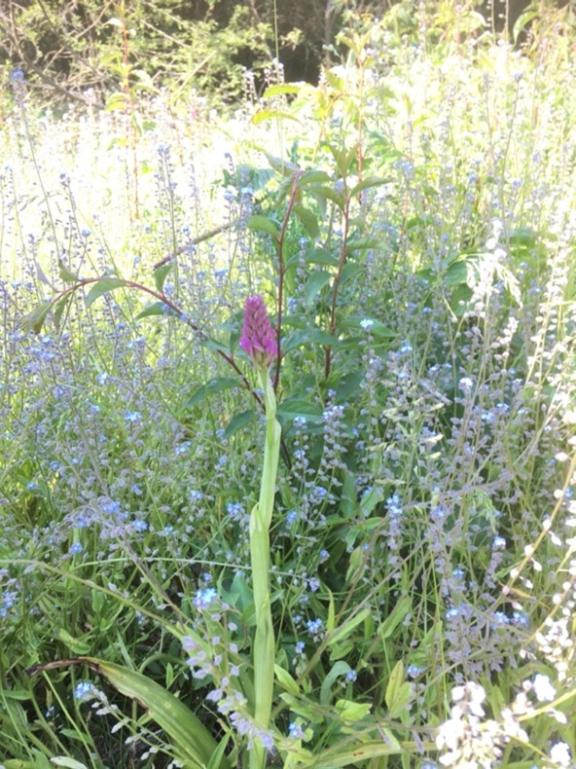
<point>261,517</point>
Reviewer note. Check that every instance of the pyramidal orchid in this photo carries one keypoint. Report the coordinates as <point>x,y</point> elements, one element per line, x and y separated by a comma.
<point>258,340</point>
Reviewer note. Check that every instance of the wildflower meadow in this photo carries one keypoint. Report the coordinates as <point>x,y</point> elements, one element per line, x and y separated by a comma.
<point>288,411</point>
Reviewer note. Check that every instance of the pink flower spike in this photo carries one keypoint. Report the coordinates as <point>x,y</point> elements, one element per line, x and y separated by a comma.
<point>258,338</point>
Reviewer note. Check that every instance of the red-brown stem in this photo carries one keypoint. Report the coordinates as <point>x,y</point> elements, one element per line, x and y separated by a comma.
<point>282,271</point>
<point>337,279</point>
<point>162,297</point>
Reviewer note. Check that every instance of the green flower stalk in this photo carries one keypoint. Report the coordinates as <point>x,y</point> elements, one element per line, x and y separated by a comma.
<point>259,341</point>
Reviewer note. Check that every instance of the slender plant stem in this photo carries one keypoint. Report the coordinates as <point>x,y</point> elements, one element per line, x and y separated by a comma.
<point>336,284</point>
<point>282,272</point>
<point>260,519</point>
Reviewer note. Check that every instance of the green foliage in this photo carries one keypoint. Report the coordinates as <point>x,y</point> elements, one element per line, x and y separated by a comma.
<point>415,256</point>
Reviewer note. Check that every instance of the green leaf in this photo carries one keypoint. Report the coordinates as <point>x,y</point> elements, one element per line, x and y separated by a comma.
<point>101,287</point>
<point>239,421</point>
<point>303,707</point>
<point>17,694</point>
<point>73,644</point>
<point>369,181</point>
<point>69,763</point>
<point>456,273</point>
<point>402,608</point>
<point>286,681</point>
<point>291,408</point>
<point>215,385</point>
<point>352,711</point>
<point>155,309</point>
<point>217,758</point>
<point>273,114</point>
<point>401,700</point>
<point>259,223</point>
<point>60,307</point>
<point>314,285</point>
<point>65,274</point>
<point>308,219</point>
<point>337,670</point>
<point>313,336</point>
<point>313,177</point>
<point>344,630</point>
<point>370,500</point>
<point>280,165</point>
<point>279,89</point>
<point>161,273</point>
<point>523,20</point>
<point>366,325</point>
<point>34,320</point>
<point>398,693</point>
<point>116,101</point>
<point>346,756</point>
<point>328,193</point>
<point>192,741</point>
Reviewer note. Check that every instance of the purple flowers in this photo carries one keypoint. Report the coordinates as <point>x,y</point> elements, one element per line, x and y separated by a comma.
<point>258,338</point>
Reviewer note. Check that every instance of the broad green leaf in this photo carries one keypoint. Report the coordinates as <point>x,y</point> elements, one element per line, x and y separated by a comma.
<point>69,763</point>
<point>291,408</point>
<point>34,320</point>
<point>370,500</point>
<point>42,275</point>
<point>273,114</point>
<point>190,738</point>
<point>313,177</point>
<point>394,685</point>
<point>401,700</point>
<point>337,670</point>
<point>161,273</point>
<point>523,20</point>
<point>279,89</point>
<point>456,273</point>
<point>101,287</point>
<point>157,309</point>
<point>353,711</point>
<point>259,223</point>
<point>60,307</point>
<point>314,336</point>
<point>302,707</point>
<point>217,758</point>
<point>308,219</point>
<point>16,763</point>
<point>116,101</point>
<point>215,385</point>
<point>366,325</point>
<point>65,274</point>
<point>17,694</point>
<point>369,181</point>
<point>286,681</point>
<point>41,761</point>
<point>75,645</point>
<point>328,193</point>
<point>284,167</point>
<point>361,752</point>
<point>239,421</point>
<point>387,628</point>
<point>314,285</point>
<point>344,630</point>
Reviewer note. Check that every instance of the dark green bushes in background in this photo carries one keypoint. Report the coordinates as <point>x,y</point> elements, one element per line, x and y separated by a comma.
<point>85,49</point>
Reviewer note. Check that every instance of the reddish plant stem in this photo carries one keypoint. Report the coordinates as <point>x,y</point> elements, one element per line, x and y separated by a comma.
<point>162,297</point>
<point>282,271</point>
<point>337,279</point>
